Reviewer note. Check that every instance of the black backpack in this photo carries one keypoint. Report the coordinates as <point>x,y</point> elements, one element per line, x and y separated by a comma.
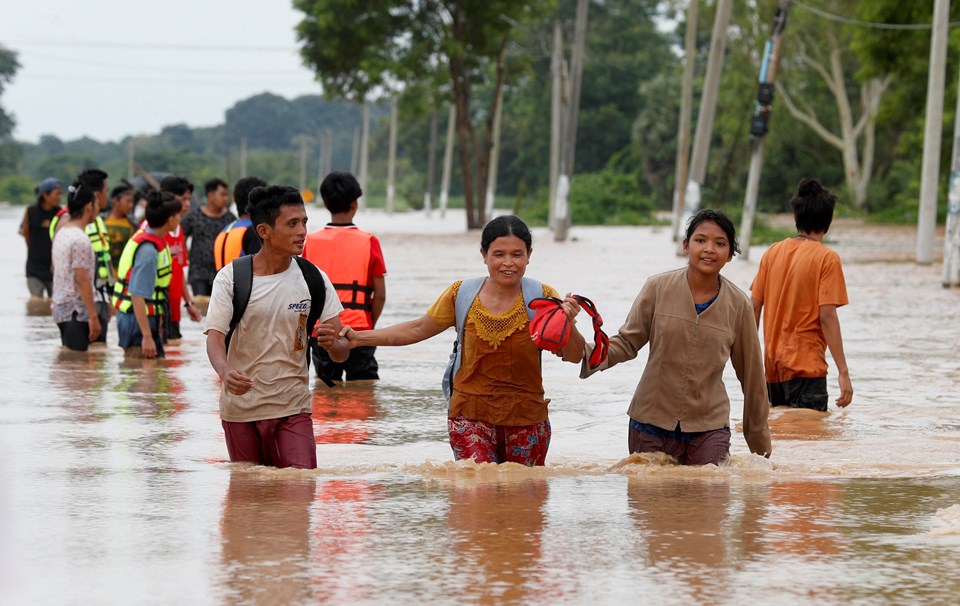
<point>243,284</point>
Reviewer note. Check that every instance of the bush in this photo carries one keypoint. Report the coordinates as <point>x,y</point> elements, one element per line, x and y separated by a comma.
<point>608,198</point>
<point>17,189</point>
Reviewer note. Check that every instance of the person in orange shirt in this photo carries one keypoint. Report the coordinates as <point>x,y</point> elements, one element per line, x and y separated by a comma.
<point>354,261</point>
<point>800,282</point>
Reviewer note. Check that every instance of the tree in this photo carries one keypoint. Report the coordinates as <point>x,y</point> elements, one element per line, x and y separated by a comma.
<point>821,49</point>
<point>364,48</point>
<point>10,152</point>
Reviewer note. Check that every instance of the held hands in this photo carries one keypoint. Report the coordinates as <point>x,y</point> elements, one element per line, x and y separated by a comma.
<point>327,335</point>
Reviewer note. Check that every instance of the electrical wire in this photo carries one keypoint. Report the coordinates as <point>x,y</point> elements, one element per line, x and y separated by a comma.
<point>867,24</point>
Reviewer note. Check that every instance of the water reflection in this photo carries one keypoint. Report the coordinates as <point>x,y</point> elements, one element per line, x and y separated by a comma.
<point>265,536</point>
<point>344,414</point>
<point>683,524</point>
<point>39,306</point>
<point>801,520</point>
<point>342,534</point>
<point>149,387</point>
<point>496,531</point>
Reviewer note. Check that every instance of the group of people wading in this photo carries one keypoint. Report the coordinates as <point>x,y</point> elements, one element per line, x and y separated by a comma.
<point>280,296</point>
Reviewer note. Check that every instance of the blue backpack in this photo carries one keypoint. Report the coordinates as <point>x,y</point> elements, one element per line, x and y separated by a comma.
<point>469,289</point>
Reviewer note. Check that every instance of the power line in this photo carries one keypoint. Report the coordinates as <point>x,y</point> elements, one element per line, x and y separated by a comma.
<point>867,24</point>
<point>148,46</point>
<point>154,69</point>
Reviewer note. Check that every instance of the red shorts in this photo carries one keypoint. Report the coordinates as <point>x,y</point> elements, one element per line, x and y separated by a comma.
<point>487,443</point>
<point>283,442</point>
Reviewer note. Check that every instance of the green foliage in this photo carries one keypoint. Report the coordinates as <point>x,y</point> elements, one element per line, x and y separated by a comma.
<point>608,198</point>
<point>17,189</point>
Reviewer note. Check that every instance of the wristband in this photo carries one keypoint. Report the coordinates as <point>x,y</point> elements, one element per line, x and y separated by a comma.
<point>188,305</point>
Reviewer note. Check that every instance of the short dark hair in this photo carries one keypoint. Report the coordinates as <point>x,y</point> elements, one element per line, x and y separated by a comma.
<point>176,185</point>
<point>161,205</point>
<point>214,185</point>
<point>93,178</point>
<point>120,190</point>
<point>813,206</point>
<point>722,221</point>
<point>505,225</point>
<point>241,192</point>
<point>264,203</point>
<point>339,191</point>
<point>79,195</point>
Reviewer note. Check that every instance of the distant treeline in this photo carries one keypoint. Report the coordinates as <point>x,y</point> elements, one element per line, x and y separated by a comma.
<point>629,107</point>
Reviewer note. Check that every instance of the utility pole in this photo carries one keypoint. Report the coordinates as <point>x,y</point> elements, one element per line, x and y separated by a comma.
<point>951,239</point>
<point>494,159</point>
<point>243,157</point>
<point>355,151</point>
<point>328,151</point>
<point>686,109</point>
<point>447,160</point>
<point>364,155</point>
<point>769,67</point>
<point>556,116</point>
<point>392,157</point>
<point>708,106</point>
<point>321,158</point>
<point>562,207</point>
<point>303,163</point>
<point>930,175</point>
<point>431,162</point>
<point>130,159</point>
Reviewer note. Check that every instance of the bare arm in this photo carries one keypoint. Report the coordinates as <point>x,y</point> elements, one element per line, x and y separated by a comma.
<point>404,333</point>
<point>379,298</point>
<point>831,333</point>
<point>757,308</point>
<point>85,287</point>
<point>235,381</point>
<point>25,227</point>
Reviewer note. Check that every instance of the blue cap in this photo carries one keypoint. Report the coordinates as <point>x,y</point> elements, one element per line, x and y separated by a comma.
<point>49,184</point>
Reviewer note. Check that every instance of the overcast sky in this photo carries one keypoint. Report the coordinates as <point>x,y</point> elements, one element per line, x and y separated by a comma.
<point>110,68</point>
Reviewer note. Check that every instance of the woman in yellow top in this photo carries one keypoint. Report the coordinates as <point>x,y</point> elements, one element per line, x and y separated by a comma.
<point>497,410</point>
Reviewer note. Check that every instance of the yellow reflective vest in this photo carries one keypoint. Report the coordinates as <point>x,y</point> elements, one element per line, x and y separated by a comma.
<point>157,304</point>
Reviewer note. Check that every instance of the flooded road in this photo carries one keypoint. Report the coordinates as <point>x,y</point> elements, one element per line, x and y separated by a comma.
<point>114,487</point>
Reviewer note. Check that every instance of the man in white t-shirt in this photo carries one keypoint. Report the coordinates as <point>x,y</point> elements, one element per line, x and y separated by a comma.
<point>265,400</point>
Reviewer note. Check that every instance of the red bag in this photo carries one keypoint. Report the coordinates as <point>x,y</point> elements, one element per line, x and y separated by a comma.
<point>550,328</point>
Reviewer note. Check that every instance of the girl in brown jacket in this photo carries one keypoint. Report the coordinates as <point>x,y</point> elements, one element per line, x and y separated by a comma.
<point>694,320</point>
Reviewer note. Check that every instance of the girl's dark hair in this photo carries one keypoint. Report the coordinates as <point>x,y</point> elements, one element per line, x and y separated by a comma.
<point>813,206</point>
<point>722,221</point>
<point>264,203</point>
<point>505,225</point>
<point>78,196</point>
<point>161,205</point>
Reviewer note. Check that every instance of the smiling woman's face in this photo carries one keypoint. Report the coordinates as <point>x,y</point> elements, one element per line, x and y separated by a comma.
<point>506,259</point>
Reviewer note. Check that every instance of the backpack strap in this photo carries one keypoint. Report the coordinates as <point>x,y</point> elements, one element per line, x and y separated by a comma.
<point>469,289</point>
<point>242,285</point>
<point>532,289</point>
<point>318,296</point>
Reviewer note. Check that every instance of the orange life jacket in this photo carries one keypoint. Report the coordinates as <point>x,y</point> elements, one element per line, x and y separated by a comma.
<point>344,255</point>
<point>229,243</point>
